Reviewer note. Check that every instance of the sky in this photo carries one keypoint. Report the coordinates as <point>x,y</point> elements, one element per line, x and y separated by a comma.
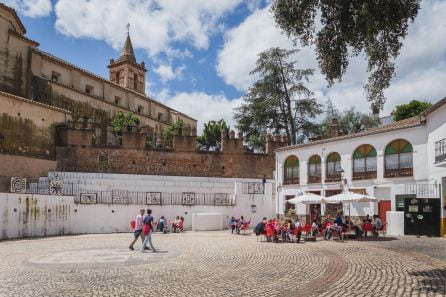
<point>199,53</point>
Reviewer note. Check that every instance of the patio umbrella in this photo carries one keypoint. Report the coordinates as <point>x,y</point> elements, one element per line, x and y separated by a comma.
<point>306,198</point>
<point>348,196</point>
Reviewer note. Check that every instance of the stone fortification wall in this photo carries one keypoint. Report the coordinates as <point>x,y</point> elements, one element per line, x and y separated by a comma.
<point>78,155</point>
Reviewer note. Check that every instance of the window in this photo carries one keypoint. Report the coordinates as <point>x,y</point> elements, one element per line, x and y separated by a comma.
<point>140,109</point>
<point>314,169</point>
<point>398,160</point>
<point>291,171</point>
<point>55,76</point>
<point>333,166</point>
<point>160,116</point>
<point>89,89</point>
<point>118,74</point>
<point>135,81</point>
<point>118,100</point>
<point>364,162</point>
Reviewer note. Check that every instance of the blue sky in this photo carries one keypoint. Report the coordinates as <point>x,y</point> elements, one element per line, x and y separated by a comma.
<point>199,53</point>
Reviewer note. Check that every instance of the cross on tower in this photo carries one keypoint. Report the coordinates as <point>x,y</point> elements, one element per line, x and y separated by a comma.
<point>128,28</point>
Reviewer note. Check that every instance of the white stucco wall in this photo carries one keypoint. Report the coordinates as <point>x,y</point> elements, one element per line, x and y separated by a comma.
<point>416,136</point>
<point>67,217</point>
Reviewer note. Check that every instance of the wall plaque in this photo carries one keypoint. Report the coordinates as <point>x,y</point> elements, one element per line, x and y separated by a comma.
<point>18,185</point>
<point>153,198</point>
<point>120,197</point>
<point>188,198</point>
<point>89,198</point>
<point>221,199</point>
<point>56,187</point>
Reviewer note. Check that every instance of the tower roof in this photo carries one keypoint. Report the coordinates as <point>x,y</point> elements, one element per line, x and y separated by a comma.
<point>127,53</point>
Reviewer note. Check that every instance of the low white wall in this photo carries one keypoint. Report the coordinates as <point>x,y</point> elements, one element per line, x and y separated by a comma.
<point>395,223</point>
<point>27,215</point>
<point>209,221</point>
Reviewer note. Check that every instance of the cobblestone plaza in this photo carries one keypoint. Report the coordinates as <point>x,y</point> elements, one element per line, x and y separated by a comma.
<point>221,264</point>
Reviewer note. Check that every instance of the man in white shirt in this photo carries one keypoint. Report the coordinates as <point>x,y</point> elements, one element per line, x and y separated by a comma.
<point>138,229</point>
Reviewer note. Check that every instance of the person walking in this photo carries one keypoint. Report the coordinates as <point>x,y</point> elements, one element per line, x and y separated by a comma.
<point>138,229</point>
<point>147,230</point>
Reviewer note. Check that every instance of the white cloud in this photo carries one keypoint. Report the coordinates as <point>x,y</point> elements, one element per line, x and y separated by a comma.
<point>155,24</point>
<point>421,65</point>
<point>201,106</point>
<point>166,72</point>
<point>31,8</point>
<point>257,33</point>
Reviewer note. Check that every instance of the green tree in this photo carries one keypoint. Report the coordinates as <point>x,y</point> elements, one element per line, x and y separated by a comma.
<point>176,126</point>
<point>349,120</point>
<point>410,109</point>
<point>120,120</point>
<point>212,132</point>
<point>279,102</point>
<point>348,28</point>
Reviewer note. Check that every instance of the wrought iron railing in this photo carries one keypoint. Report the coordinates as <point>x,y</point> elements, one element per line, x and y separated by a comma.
<point>124,197</point>
<point>312,179</point>
<point>440,151</point>
<point>398,170</point>
<point>364,172</point>
<point>291,181</point>
<point>332,177</point>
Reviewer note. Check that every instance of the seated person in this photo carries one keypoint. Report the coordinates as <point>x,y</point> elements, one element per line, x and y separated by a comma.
<point>161,224</point>
<point>241,221</point>
<point>233,224</point>
<point>377,225</point>
<point>314,228</point>
<point>176,224</point>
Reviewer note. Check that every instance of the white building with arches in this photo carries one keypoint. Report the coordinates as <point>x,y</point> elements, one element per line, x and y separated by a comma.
<point>405,159</point>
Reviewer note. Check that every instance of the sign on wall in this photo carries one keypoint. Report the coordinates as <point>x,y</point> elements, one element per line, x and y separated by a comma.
<point>56,187</point>
<point>89,198</point>
<point>188,198</point>
<point>153,198</point>
<point>18,185</point>
<point>120,197</point>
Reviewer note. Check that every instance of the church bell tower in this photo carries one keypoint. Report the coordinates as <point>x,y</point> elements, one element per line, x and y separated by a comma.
<point>126,72</point>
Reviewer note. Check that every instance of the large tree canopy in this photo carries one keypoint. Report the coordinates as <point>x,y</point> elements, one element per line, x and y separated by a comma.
<point>279,102</point>
<point>349,27</point>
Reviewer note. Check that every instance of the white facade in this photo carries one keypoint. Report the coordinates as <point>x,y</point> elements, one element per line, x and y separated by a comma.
<point>431,127</point>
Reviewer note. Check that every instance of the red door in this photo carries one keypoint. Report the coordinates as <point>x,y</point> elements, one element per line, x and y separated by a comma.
<point>383,207</point>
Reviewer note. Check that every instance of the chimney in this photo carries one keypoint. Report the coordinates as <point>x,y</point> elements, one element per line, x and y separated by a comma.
<point>334,128</point>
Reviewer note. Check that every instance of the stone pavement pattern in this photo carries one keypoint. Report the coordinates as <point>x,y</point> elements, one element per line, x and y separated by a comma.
<point>221,264</point>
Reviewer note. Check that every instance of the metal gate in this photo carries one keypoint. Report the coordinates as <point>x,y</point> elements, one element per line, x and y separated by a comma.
<point>423,210</point>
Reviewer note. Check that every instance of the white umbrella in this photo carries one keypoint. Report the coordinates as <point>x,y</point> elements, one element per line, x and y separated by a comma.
<point>349,197</point>
<point>306,198</point>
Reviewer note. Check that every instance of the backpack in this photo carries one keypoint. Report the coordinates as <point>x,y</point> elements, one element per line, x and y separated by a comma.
<point>292,226</point>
